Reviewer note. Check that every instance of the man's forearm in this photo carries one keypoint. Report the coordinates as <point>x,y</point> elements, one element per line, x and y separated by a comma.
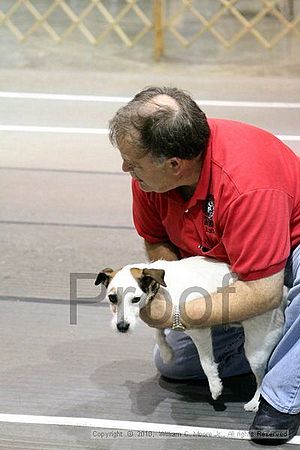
<point>235,303</point>
<point>163,250</point>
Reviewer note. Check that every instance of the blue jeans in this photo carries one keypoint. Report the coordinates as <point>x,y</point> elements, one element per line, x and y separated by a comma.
<point>281,384</point>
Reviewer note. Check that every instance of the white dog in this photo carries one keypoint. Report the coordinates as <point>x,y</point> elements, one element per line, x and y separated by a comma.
<point>134,284</point>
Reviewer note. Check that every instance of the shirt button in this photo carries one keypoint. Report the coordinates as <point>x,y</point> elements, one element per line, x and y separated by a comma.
<point>186,211</point>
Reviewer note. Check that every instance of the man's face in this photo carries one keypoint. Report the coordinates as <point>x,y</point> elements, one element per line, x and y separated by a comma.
<point>151,175</point>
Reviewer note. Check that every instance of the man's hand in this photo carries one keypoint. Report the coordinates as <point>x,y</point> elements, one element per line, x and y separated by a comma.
<point>157,313</point>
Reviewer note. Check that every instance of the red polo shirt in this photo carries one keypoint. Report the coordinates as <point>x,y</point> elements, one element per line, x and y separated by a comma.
<point>245,210</point>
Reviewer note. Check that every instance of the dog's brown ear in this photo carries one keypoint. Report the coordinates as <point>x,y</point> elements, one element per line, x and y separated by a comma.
<point>105,276</point>
<point>147,278</point>
<point>157,275</point>
<point>136,273</point>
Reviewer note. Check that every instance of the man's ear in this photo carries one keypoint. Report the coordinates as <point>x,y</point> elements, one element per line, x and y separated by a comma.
<point>149,279</point>
<point>175,165</point>
<point>105,276</point>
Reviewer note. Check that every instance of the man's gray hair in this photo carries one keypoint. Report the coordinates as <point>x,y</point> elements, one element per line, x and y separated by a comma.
<point>174,128</point>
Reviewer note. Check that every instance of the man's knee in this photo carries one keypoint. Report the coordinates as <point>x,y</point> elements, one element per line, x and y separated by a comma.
<point>185,363</point>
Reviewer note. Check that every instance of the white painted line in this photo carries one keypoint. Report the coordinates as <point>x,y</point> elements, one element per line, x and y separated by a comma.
<point>34,129</point>
<point>284,137</point>
<point>103,131</point>
<point>181,430</point>
<point>116,99</point>
<point>64,97</point>
<point>247,104</point>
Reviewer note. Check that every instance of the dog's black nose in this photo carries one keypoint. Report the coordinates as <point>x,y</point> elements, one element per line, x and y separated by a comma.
<point>123,326</point>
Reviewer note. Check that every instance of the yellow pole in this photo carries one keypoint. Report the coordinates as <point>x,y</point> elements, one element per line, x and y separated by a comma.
<point>158,29</point>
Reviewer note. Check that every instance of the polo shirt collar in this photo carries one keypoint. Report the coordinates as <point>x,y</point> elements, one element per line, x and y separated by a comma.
<point>205,173</point>
<point>203,183</point>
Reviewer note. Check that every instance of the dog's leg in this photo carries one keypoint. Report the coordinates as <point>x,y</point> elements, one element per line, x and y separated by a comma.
<point>166,351</point>
<point>262,333</point>
<point>258,366</point>
<point>203,342</point>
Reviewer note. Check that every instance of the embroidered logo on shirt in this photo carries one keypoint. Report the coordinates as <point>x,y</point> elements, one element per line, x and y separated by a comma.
<point>209,209</point>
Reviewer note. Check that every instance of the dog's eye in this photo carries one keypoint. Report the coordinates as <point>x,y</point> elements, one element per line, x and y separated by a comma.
<point>136,299</point>
<point>113,298</point>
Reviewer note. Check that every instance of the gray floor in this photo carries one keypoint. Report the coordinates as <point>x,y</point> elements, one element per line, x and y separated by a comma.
<point>65,209</point>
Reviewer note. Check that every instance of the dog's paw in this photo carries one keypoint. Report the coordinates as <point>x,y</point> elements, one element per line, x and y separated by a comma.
<point>252,405</point>
<point>216,389</point>
<point>166,354</point>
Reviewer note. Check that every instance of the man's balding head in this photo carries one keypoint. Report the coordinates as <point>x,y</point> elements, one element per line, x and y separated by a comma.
<point>164,121</point>
<point>162,100</point>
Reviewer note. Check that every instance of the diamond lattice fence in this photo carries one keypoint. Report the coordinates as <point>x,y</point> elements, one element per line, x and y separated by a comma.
<point>228,21</point>
<point>95,19</point>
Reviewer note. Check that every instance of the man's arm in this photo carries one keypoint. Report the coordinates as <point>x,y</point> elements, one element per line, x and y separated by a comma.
<point>162,250</point>
<point>239,301</point>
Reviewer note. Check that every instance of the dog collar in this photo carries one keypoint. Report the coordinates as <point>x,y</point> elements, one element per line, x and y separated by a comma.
<point>177,324</point>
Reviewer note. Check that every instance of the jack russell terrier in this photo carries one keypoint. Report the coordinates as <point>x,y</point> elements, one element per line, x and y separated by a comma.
<point>137,284</point>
